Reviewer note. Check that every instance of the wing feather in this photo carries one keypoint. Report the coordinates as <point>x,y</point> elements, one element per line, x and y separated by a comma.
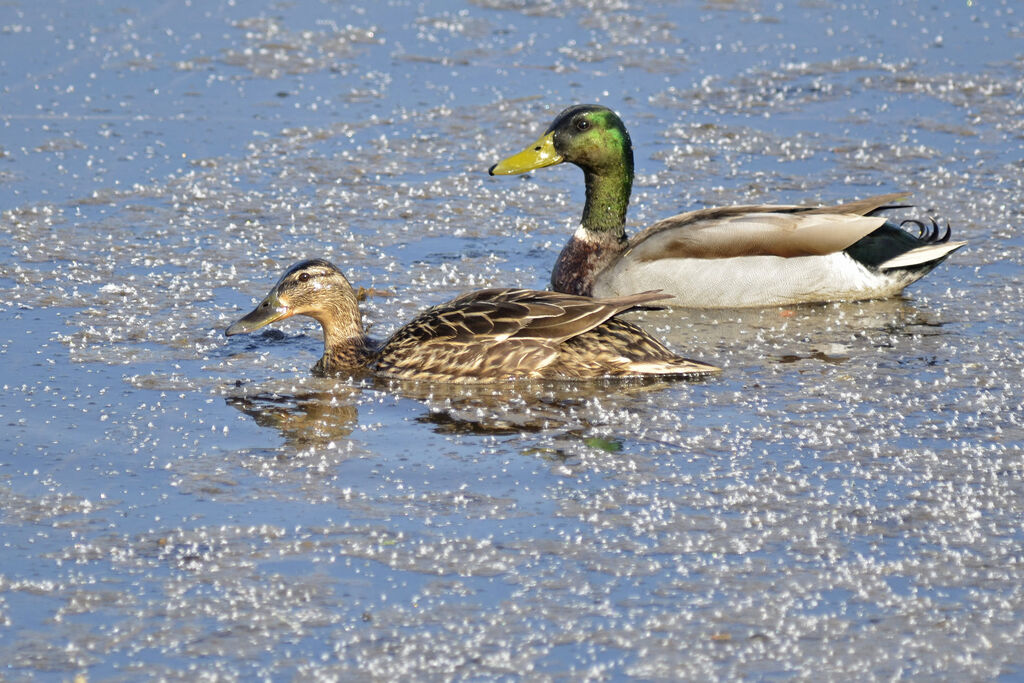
<point>761,230</point>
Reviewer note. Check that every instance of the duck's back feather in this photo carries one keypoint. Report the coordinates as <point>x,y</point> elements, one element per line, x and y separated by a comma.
<point>785,230</point>
<point>516,333</point>
<point>756,233</point>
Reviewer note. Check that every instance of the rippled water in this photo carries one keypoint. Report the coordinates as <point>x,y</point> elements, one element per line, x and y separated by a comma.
<point>843,501</point>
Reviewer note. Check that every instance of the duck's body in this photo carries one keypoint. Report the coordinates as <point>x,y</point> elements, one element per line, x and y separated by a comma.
<point>738,256</point>
<point>745,256</point>
<point>490,335</point>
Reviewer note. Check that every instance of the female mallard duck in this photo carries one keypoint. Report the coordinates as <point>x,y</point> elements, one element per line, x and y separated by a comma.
<point>734,256</point>
<point>487,336</point>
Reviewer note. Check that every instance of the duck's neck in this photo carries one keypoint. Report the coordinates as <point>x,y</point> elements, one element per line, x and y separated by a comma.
<point>346,346</point>
<point>608,190</point>
<point>601,237</point>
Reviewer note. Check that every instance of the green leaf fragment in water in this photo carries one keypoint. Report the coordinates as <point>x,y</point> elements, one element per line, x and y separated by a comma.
<point>603,444</point>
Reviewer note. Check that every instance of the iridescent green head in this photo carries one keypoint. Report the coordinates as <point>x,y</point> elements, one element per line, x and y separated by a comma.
<point>593,138</point>
<point>587,135</point>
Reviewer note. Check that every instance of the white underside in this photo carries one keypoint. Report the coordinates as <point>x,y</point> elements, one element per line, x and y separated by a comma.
<point>746,281</point>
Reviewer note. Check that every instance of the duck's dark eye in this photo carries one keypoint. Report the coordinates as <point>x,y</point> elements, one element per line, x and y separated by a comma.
<point>304,277</point>
<point>582,124</point>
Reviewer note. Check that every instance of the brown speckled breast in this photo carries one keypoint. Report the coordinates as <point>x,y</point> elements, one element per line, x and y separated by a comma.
<point>582,259</point>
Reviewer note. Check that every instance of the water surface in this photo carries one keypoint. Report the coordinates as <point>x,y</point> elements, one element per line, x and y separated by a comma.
<point>844,501</point>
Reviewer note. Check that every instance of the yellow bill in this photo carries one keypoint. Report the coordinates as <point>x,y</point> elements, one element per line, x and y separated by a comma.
<point>538,155</point>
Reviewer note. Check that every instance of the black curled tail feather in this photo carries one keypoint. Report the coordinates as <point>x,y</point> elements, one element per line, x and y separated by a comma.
<point>930,232</point>
<point>892,239</point>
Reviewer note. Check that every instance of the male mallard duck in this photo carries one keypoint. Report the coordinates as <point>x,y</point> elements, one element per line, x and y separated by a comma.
<point>487,336</point>
<point>736,256</point>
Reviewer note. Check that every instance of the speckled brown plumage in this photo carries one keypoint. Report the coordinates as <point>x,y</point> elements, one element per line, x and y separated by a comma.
<point>582,258</point>
<point>486,336</point>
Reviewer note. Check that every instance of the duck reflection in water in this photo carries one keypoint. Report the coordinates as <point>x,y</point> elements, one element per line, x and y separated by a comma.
<point>312,418</point>
<point>317,417</point>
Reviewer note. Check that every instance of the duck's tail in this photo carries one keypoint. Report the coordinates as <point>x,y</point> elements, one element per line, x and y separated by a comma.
<point>935,249</point>
<point>896,246</point>
<point>676,366</point>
